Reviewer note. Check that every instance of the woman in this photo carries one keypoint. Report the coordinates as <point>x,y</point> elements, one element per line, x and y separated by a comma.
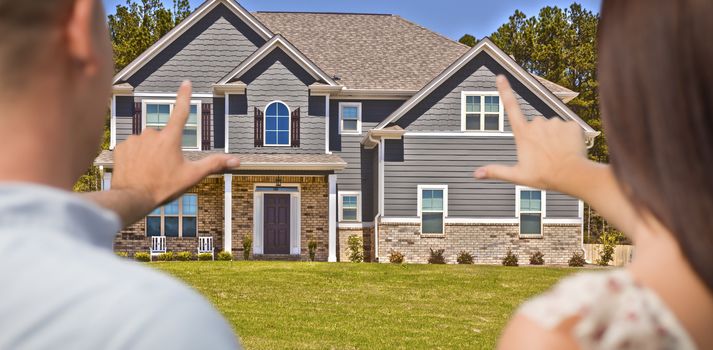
<point>656,87</point>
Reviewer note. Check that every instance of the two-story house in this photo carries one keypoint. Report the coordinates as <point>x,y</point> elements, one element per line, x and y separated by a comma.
<point>345,124</point>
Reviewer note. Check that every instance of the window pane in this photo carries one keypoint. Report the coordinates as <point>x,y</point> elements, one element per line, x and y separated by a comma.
<point>349,214</point>
<point>472,104</point>
<point>283,138</point>
<point>171,208</point>
<point>193,115</point>
<point>283,123</point>
<point>271,137</point>
<point>153,226</point>
<point>282,110</point>
<point>164,111</point>
<point>190,137</point>
<point>171,226</point>
<point>350,113</point>
<point>151,113</point>
<point>350,125</point>
<point>189,227</point>
<point>156,212</point>
<point>271,123</point>
<point>271,110</point>
<point>472,121</point>
<point>492,122</point>
<point>190,205</point>
<point>530,224</point>
<point>530,201</point>
<point>432,200</point>
<point>349,201</point>
<point>432,222</point>
<point>492,104</point>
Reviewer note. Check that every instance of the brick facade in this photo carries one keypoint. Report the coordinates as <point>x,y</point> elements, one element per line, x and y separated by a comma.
<point>367,235</point>
<point>488,243</point>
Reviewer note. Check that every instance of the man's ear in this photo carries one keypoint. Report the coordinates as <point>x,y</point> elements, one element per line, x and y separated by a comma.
<point>79,26</point>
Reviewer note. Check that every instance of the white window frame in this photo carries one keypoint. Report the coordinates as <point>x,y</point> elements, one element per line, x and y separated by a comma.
<point>289,126</point>
<point>341,120</point>
<point>180,218</point>
<point>420,189</point>
<point>172,103</point>
<point>481,94</point>
<point>543,210</point>
<point>343,194</point>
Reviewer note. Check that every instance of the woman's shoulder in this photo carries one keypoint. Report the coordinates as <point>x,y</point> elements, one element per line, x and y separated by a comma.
<point>607,310</point>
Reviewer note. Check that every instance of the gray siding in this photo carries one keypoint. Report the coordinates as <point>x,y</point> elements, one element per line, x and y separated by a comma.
<point>441,110</point>
<point>561,205</point>
<point>124,117</point>
<point>204,54</point>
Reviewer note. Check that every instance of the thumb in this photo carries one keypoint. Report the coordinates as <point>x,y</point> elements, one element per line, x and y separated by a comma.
<point>497,172</point>
<point>214,164</point>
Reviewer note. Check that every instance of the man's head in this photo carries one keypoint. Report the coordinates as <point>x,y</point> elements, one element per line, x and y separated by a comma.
<point>56,61</point>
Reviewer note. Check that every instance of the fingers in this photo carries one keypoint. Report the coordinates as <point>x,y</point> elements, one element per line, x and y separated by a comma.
<point>178,118</point>
<point>497,172</point>
<point>214,164</point>
<point>512,107</point>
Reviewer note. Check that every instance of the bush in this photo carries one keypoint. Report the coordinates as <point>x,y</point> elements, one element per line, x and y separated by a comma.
<point>356,249</point>
<point>537,258</point>
<point>437,256</point>
<point>465,258</point>
<point>395,257</point>
<point>247,246</point>
<point>510,259</point>
<point>167,256</point>
<point>184,256</point>
<point>122,254</point>
<point>577,260</point>
<point>205,257</point>
<point>609,241</point>
<point>142,256</point>
<point>312,249</point>
<point>224,256</point>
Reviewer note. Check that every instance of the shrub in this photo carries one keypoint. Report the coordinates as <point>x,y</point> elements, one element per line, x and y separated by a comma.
<point>465,258</point>
<point>312,248</point>
<point>510,259</point>
<point>184,256</point>
<point>356,249</point>
<point>577,260</point>
<point>205,256</point>
<point>609,241</point>
<point>142,256</point>
<point>537,258</point>
<point>122,254</point>
<point>396,257</point>
<point>167,256</point>
<point>247,246</point>
<point>437,256</point>
<point>224,256</point>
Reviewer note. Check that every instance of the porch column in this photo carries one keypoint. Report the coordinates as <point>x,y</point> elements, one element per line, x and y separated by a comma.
<point>332,218</point>
<point>228,213</point>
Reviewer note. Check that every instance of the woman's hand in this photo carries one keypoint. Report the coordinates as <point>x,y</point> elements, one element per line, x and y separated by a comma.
<point>547,150</point>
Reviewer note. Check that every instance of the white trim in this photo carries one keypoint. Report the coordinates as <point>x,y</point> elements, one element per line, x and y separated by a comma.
<point>460,134</point>
<point>509,64</point>
<point>258,223</point>
<point>503,221</point>
<point>259,218</point>
<point>186,24</point>
<point>112,124</point>
<point>340,205</point>
<point>227,124</point>
<point>543,210</point>
<point>381,176</point>
<point>289,126</point>
<point>332,179</point>
<point>399,220</point>
<point>355,225</point>
<point>341,121</point>
<point>375,94</point>
<point>482,113</point>
<point>228,213</point>
<point>106,179</point>
<point>169,94</point>
<point>562,221</point>
<point>172,103</point>
<point>443,188</point>
<point>476,221</point>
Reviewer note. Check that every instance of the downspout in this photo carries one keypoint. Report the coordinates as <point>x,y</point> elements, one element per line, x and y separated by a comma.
<point>380,191</point>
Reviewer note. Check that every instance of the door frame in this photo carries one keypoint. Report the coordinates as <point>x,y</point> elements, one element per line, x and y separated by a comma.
<point>259,218</point>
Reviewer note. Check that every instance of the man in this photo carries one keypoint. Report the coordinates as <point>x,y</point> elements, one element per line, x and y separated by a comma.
<point>62,287</point>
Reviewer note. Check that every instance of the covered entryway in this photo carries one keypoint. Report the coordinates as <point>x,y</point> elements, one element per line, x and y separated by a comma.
<point>277,223</point>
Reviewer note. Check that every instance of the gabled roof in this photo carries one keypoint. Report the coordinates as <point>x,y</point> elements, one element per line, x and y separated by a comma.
<point>510,65</point>
<point>187,23</point>
<point>278,41</point>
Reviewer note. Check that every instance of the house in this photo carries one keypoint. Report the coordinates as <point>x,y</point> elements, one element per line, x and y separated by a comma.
<point>346,124</point>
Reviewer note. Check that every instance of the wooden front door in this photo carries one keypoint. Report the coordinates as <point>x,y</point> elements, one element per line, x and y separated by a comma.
<point>277,223</point>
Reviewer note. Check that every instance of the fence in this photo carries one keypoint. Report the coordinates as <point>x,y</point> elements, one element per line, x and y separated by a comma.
<point>622,254</point>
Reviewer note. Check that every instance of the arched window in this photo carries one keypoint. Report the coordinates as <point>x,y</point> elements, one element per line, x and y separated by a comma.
<point>277,124</point>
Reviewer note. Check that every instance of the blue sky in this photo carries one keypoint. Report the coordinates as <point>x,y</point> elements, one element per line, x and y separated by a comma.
<point>451,18</point>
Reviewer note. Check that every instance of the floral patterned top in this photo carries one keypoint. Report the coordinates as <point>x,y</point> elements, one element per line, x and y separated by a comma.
<point>614,311</point>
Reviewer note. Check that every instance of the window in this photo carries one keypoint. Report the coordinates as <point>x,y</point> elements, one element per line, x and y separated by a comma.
<point>530,204</point>
<point>432,208</point>
<point>350,118</point>
<point>277,124</point>
<point>175,219</point>
<point>350,206</point>
<point>157,113</point>
<point>481,112</point>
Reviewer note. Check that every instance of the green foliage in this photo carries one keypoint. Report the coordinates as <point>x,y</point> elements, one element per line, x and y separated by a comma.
<point>464,258</point>
<point>224,256</point>
<point>184,256</point>
<point>510,259</point>
<point>537,258</point>
<point>247,246</point>
<point>468,39</point>
<point>396,257</point>
<point>167,256</point>
<point>577,260</point>
<point>356,248</point>
<point>312,248</point>
<point>609,241</point>
<point>142,256</point>
<point>437,256</point>
<point>205,257</point>
<point>122,254</point>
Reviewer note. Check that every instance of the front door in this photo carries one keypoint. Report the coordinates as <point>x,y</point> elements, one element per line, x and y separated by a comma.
<point>277,223</point>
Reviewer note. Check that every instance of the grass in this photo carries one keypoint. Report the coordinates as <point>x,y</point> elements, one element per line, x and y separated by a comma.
<point>281,305</point>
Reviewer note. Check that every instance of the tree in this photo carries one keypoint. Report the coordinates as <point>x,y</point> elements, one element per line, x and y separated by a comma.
<point>468,39</point>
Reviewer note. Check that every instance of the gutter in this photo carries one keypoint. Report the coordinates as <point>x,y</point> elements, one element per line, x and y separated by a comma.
<point>373,137</point>
<point>589,137</point>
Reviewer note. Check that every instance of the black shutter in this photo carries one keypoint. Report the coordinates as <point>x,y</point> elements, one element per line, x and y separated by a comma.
<point>295,135</point>
<point>136,122</point>
<point>258,127</point>
<point>205,126</point>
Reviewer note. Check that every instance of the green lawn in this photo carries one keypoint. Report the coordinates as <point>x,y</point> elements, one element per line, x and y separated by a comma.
<point>291,305</point>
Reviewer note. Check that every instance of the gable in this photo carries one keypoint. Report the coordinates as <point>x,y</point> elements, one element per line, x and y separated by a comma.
<point>278,68</point>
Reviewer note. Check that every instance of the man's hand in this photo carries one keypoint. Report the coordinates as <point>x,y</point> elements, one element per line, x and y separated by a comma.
<point>150,170</point>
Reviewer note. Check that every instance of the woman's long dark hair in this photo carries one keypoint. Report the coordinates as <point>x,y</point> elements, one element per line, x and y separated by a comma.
<point>656,87</point>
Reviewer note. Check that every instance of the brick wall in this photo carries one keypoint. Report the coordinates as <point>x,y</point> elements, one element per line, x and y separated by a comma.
<point>487,243</point>
<point>367,235</point>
